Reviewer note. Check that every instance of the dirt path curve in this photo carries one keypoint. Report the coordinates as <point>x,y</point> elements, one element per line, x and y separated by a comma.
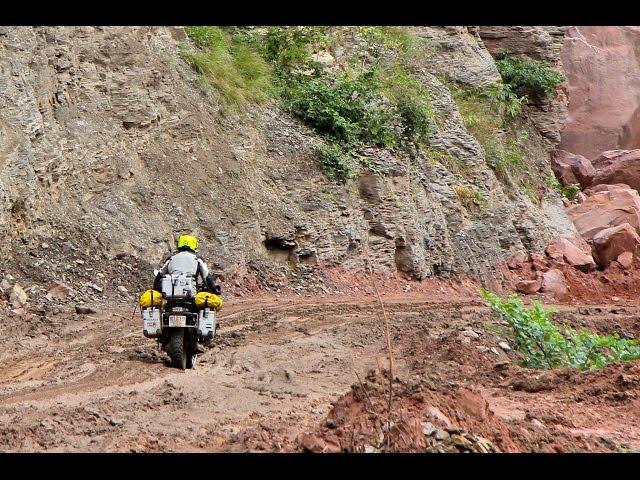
<point>100,385</point>
<point>94,383</point>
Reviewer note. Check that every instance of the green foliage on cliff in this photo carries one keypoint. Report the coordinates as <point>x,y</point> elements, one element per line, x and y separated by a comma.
<point>354,106</point>
<point>544,345</point>
<point>336,162</point>
<point>471,199</point>
<point>351,106</point>
<point>527,76</point>
<point>569,191</point>
<point>235,69</point>
<point>486,117</point>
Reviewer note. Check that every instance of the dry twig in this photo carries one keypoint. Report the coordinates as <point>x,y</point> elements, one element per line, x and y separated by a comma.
<point>385,326</point>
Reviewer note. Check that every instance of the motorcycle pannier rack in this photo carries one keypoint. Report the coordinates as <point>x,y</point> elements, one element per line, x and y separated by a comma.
<point>178,286</point>
<point>151,325</point>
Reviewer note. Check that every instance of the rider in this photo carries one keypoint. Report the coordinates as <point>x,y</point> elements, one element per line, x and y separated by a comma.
<point>185,261</point>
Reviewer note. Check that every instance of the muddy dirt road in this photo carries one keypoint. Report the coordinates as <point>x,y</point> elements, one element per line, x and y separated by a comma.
<point>94,383</point>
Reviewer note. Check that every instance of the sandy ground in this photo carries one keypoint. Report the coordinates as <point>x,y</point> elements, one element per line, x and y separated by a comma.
<point>93,383</point>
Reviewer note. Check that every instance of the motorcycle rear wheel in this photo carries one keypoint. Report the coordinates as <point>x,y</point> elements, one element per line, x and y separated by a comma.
<point>176,349</point>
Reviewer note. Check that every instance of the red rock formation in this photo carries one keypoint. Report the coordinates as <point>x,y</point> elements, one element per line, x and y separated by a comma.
<point>606,209</point>
<point>606,188</point>
<point>573,250</point>
<point>602,66</point>
<point>610,243</point>
<point>618,166</point>
<point>571,168</point>
<point>554,284</point>
<point>528,287</point>
<point>625,259</point>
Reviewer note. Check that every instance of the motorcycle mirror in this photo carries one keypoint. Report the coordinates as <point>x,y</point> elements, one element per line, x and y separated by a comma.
<point>155,272</point>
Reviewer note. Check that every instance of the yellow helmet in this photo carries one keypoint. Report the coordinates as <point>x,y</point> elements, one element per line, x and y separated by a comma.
<point>189,241</point>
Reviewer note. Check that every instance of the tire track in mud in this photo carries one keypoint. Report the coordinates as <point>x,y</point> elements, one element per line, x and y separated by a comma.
<point>274,358</point>
<point>278,363</point>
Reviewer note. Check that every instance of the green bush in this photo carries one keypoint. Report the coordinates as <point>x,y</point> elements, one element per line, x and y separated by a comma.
<point>471,199</point>
<point>382,105</point>
<point>412,103</point>
<point>346,110</point>
<point>524,75</point>
<point>508,102</point>
<point>368,108</point>
<point>508,160</point>
<point>569,191</point>
<point>500,103</point>
<point>543,345</point>
<point>288,48</point>
<point>233,68</point>
<point>336,162</point>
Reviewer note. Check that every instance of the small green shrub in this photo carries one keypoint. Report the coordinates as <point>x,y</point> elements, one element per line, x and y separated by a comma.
<point>452,163</point>
<point>412,103</point>
<point>233,68</point>
<point>289,48</point>
<point>543,345</point>
<point>346,110</point>
<point>335,162</point>
<point>362,108</point>
<point>524,75</point>
<point>397,39</point>
<point>499,104</point>
<point>569,191</point>
<point>478,112</point>
<point>382,104</point>
<point>508,102</point>
<point>508,160</point>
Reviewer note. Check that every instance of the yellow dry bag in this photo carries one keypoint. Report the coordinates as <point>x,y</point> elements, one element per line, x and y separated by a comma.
<point>151,298</point>
<point>208,300</point>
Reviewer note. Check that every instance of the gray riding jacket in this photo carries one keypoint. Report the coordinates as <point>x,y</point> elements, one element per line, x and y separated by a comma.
<point>187,263</point>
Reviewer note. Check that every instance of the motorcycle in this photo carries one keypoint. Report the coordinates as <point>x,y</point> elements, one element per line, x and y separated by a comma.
<point>178,325</point>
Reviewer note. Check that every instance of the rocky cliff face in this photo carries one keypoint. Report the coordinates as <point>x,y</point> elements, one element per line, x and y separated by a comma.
<point>603,74</point>
<point>109,146</point>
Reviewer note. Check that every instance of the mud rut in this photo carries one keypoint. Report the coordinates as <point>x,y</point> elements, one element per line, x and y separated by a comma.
<point>99,385</point>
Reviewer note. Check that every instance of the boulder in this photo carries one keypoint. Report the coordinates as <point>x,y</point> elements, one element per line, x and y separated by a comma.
<point>317,444</point>
<point>573,250</point>
<point>618,166</point>
<point>6,282</point>
<point>606,188</point>
<point>18,297</point>
<point>59,290</point>
<point>554,284</point>
<point>625,259</point>
<point>84,310</point>
<point>516,260</point>
<point>539,262</point>
<point>606,209</point>
<point>581,197</point>
<point>571,168</point>
<point>610,243</point>
<point>528,287</point>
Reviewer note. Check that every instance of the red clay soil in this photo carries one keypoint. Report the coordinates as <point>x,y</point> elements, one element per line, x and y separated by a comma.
<point>454,397</point>
<point>277,377</point>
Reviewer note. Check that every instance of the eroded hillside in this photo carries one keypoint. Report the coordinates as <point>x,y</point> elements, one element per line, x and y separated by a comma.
<point>112,143</point>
